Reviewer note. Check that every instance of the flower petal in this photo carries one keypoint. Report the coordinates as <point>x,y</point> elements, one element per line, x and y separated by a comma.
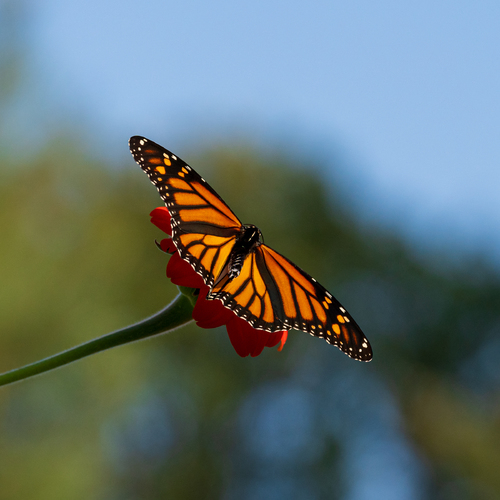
<point>247,340</point>
<point>284,338</point>
<point>258,339</point>
<point>160,217</point>
<point>210,313</point>
<point>167,245</point>
<point>181,273</point>
<point>237,337</point>
<point>276,337</point>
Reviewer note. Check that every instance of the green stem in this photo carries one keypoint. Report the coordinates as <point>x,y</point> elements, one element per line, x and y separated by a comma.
<point>177,313</point>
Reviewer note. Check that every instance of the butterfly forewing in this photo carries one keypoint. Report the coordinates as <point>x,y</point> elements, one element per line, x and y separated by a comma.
<point>204,228</point>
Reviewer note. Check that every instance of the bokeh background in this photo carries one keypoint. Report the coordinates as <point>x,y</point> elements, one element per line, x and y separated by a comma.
<point>362,138</point>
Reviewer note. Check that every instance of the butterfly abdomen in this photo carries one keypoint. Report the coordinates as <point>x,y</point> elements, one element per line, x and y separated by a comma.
<point>246,242</point>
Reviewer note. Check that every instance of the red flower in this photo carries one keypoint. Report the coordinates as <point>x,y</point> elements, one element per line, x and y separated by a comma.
<point>211,313</point>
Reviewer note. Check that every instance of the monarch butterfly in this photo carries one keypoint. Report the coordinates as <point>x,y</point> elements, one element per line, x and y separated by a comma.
<point>250,278</point>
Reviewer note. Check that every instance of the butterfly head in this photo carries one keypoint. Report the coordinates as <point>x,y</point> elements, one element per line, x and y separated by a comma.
<point>250,236</point>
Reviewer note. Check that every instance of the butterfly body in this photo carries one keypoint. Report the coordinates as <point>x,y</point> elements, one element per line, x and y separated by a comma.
<point>245,243</point>
<point>260,285</point>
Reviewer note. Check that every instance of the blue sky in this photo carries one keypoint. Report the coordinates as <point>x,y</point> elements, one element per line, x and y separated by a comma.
<point>406,93</point>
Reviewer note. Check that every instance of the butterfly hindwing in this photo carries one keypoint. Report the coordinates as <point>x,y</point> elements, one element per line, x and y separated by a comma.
<point>252,295</point>
<point>309,307</point>
<point>273,294</point>
<point>204,228</point>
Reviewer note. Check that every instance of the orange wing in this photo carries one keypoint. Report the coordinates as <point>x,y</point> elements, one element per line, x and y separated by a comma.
<point>273,294</point>
<point>204,229</point>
